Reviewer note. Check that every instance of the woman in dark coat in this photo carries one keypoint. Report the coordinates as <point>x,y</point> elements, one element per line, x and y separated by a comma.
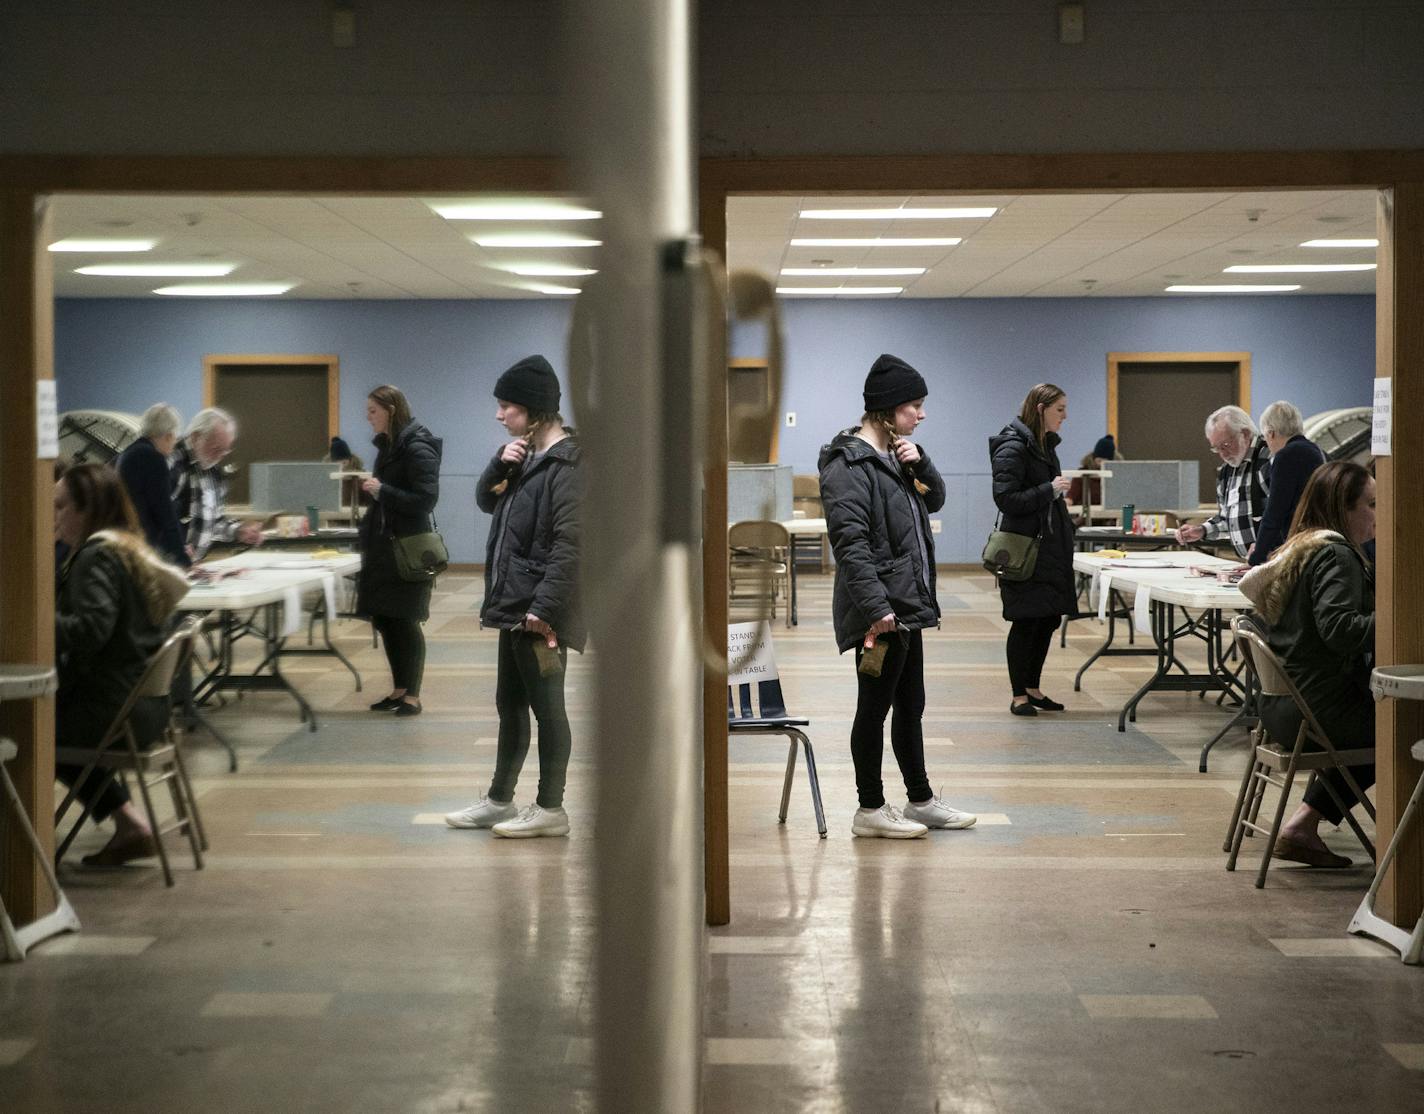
<point>115,596</point>
<point>1029,491</point>
<point>531,597</point>
<point>879,489</point>
<point>1318,594</point>
<point>404,488</point>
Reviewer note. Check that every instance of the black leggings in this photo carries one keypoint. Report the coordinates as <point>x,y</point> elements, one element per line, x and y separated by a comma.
<point>901,686</point>
<point>405,650</point>
<point>1027,648</point>
<point>518,688</point>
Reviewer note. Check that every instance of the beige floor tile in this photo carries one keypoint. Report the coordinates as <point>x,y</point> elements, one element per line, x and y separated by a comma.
<point>767,1051</point>
<point>274,1004</point>
<point>1409,1056</point>
<point>1338,946</point>
<point>13,1050</point>
<point>755,945</point>
<point>84,944</point>
<point>1148,1006</point>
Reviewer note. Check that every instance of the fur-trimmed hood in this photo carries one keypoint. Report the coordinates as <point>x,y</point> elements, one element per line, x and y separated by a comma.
<point>1269,587</point>
<point>160,584</point>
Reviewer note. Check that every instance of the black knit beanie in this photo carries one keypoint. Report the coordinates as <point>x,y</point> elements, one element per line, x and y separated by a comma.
<point>1106,448</point>
<point>892,381</point>
<point>532,384</point>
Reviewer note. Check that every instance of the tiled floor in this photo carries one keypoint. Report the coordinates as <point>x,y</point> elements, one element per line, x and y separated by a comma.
<point>1083,949</point>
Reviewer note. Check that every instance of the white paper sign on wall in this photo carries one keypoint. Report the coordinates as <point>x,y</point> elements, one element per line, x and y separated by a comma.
<point>749,656</point>
<point>47,414</point>
<point>1380,426</point>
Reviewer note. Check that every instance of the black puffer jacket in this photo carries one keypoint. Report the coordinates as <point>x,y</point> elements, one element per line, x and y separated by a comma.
<point>1023,492</point>
<point>409,471</point>
<point>532,558</point>
<point>871,511</point>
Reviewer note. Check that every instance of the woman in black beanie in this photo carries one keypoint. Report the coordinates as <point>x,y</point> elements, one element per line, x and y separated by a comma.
<point>879,490</point>
<point>1028,489</point>
<point>531,596</point>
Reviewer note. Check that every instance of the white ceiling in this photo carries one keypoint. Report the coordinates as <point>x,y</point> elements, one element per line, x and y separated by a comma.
<point>1035,246</point>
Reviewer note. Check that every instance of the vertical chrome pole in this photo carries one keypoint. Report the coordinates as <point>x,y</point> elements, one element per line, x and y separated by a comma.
<point>628,108</point>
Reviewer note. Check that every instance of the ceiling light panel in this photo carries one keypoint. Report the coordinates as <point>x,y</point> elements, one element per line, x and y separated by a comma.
<point>828,291</point>
<point>882,272</point>
<point>1295,268</point>
<point>158,270</point>
<point>547,270</point>
<point>101,247</point>
<point>877,242</point>
<point>898,214</point>
<point>528,211</point>
<point>1230,288</point>
<point>532,240</point>
<point>1337,243</point>
<point>226,289</point>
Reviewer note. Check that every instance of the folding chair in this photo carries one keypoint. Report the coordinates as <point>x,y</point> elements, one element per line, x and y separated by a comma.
<point>120,750</point>
<point>1366,922</point>
<point>761,553</point>
<point>770,718</point>
<point>16,942</point>
<point>1273,764</point>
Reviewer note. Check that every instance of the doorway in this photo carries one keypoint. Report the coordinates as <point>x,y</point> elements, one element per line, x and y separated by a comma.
<point>1158,403</point>
<point>285,406</point>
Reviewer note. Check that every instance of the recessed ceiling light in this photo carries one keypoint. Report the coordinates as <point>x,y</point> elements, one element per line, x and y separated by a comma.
<point>226,289</point>
<point>806,272</point>
<point>1228,288</point>
<point>159,270</point>
<point>898,214</point>
<point>515,210</point>
<point>533,240</point>
<point>1340,244</point>
<point>547,270</point>
<point>561,290</point>
<point>1297,268</point>
<point>877,242</point>
<point>828,291</point>
<point>100,246</point>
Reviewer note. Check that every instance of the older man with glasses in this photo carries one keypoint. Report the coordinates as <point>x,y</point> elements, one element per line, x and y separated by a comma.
<point>1242,482</point>
<point>200,487</point>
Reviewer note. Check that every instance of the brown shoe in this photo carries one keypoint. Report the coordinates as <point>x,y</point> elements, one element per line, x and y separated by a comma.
<point>1310,856</point>
<point>115,853</point>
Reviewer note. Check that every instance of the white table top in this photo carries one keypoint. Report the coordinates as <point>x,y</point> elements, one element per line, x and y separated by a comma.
<point>805,525</point>
<point>25,682</point>
<point>266,578</point>
<point>1171,584</point>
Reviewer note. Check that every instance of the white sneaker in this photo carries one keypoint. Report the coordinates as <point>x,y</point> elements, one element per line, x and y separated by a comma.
<point>934,813</point>
<point>484,813</point>
<point>534,821</point>
<point>886,823</point>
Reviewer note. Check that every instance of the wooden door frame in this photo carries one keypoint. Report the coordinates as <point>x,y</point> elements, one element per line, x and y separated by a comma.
<point>1241,380</point>
<point>1398,175</point>
<point>332,363</point>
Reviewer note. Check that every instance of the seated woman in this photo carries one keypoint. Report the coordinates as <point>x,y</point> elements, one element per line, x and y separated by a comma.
<point>1318,594</point>
<point>115,596</point>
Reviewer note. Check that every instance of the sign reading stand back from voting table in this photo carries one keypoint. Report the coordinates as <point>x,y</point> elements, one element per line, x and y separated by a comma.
<point>749,656</point>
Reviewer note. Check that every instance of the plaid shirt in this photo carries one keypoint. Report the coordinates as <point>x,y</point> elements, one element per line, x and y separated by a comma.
<point>200,495</point>
<point>1241,496</point>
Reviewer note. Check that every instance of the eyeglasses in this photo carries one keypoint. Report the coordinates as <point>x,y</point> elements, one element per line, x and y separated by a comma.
<point>1226,448</point>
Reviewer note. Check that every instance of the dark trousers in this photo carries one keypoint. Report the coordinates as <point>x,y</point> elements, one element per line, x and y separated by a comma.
<point>102,791</point>
<point>1350,728</point>
<point>1027,649</point>
<point>900,686</point>
<point>405,650</point>
<point>518,688</point>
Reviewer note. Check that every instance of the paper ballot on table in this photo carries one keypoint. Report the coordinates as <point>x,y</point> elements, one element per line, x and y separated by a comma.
<point>291,612</point>
<point>749,656</point>
<point>1142,609</point>
<point>1104,580</point>
<point>328,590</point>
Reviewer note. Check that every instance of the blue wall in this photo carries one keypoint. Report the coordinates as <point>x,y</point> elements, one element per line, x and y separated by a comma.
<point>979,356</point>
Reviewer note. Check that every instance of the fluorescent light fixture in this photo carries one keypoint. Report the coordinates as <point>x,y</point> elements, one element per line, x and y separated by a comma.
<point>558,290</point>
<point>101,246</point>
<point>877,242</point>
<point>533,240</point>
<point>1340,244</point>
<point>1228,288</point>
<point>226,289</point>
<point>897,214</point>
<point>828,291</point>
<point>548,270</point>
<point>515,210</point>
<point>159,270</point>
<point>808,272</point>
<point>1296,268</point>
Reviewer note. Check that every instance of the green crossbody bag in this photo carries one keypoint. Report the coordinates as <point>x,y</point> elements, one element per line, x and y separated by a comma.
<point>420,558</point>
<point>1010,556</point>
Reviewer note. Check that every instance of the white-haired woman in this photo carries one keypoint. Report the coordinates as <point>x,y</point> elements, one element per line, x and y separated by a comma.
<point>143,467</point>
<point>1242,481</point>
<point>1294,459</point>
